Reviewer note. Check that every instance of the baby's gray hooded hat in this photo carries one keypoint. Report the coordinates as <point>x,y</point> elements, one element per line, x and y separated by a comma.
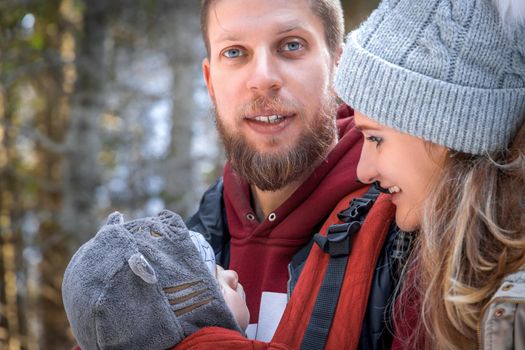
<point>141,285</point>
<point>450,72</point>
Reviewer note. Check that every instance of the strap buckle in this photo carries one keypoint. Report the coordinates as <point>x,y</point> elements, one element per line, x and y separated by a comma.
<point>358,208</point>
<point>338,242</point>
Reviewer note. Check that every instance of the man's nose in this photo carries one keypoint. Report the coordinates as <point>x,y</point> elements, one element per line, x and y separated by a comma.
<point>265,76</point>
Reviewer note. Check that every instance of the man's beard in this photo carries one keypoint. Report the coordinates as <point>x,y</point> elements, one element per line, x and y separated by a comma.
<point>273,171</point>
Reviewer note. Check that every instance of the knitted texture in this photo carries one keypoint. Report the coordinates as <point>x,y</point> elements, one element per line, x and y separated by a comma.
<point>442,70</point>
<point>141,285</point>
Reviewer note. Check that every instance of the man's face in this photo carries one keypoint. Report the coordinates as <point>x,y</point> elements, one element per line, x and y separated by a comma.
<point>269,75</point>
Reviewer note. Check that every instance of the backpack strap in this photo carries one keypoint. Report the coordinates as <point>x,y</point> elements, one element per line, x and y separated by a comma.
<point>338,244</point>
<point>367,246</point>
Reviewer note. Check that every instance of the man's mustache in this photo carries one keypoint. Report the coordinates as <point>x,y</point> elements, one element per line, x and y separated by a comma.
<point>269,105</point>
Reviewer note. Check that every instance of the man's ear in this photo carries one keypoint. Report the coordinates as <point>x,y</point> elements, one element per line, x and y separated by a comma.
<point>207,77</point>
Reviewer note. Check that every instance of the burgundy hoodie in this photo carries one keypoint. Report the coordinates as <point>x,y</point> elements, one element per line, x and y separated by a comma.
<point>261,251</point>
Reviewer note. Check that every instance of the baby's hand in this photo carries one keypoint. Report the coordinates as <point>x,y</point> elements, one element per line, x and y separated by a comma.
<point>234,295</point>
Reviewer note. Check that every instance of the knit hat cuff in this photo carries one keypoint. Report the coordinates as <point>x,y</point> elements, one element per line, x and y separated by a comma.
<point>426,107</point>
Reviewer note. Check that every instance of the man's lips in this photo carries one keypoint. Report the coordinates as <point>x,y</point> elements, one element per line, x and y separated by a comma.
<point>268,115</point>
<point>272,119</point>
<point>269,123</point>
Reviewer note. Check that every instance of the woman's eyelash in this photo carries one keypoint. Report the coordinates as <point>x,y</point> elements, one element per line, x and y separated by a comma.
<point>375,139</point>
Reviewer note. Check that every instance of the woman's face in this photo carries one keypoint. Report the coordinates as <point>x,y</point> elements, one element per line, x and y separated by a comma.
<point>404,164</point>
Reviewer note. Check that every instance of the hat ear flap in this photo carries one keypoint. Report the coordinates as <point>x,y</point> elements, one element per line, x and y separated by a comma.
<point>142,268</point>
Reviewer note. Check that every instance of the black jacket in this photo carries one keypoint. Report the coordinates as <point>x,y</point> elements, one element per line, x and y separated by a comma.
<point>376,333</point>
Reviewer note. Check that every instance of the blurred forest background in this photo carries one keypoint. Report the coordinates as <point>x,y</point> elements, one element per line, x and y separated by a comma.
<point>102,108</point>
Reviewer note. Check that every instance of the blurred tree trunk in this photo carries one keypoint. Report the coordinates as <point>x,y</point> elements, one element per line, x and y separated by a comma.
<point>82,172</point>
<point>55,87</point>
<point>78,105</point>
<point>186,62</point>
<point>9,317</point>
<point>357,11</point>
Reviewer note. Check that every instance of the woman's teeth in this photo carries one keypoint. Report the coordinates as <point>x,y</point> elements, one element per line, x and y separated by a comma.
<point>269,119</point>
<point>394,189</point>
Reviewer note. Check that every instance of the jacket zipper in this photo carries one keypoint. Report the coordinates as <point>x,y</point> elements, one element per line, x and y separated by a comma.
<point>289,282</point>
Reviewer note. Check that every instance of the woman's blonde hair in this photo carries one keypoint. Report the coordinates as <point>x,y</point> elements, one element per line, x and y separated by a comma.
<point>472,235</point>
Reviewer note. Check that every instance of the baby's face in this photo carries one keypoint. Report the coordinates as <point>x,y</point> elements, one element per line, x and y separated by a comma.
<point>234,295</point>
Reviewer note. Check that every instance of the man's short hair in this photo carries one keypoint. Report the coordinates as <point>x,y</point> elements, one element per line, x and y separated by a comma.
<point>329,11</point>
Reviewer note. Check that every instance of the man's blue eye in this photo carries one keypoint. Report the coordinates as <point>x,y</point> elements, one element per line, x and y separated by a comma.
<point>232,53</point>
<point>292,46</point>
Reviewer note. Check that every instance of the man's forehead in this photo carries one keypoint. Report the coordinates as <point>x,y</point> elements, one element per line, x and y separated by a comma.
<point>233,19</point>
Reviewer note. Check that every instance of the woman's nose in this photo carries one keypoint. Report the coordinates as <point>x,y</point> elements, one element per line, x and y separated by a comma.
<point>366,170</point>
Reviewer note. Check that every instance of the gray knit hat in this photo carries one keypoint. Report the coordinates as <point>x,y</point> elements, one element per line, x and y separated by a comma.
<point>443,70</point>
<point>141,285</point>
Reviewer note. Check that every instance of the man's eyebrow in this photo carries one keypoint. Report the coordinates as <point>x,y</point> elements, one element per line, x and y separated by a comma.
<point>228,37</point>
<point>286,28</point>
<point>290,27</point>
